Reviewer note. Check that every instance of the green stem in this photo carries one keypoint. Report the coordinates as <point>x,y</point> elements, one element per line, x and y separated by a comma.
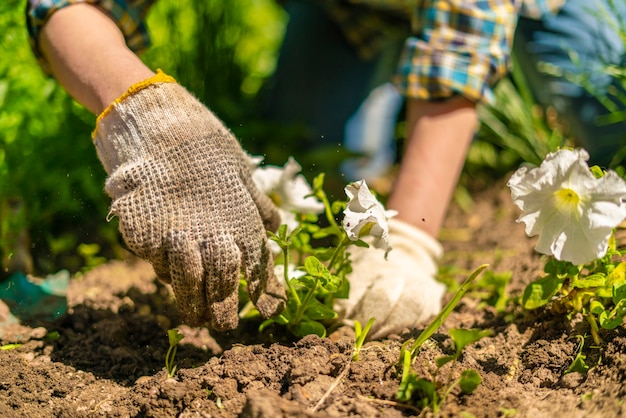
<point>293,292</point>
<point>594,328</point>
<point>298,316</point>
<point>340,246</point>
<point>169,361</point>
<point>321,195</point>
<point>436,323</point>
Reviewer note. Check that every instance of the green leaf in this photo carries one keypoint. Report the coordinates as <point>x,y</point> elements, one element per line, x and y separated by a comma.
<point>421,391</point>
<point>441,316</point>
<point>265,324</point>
<point>596,307</point>
<point>619,292</point>
<point>306,281</point>
<point>616,276</point>
<point>594,280</point>
<point>324,232</point>
<point>317,311</point>
<point>361,243</point>
<point>360,334</point>
<point>324,254</point>
<point>318,182</point>
<point>579,365</point>
<point>282,231</point>
<point>307,327</point>
<point>615,318</point>
<point>337,206</point>
<point>331,283</point>
<point>597,171</point>
<point>440,361</point>
<point>464,337</point>
<point>494,285</point>
<point>280,320</point>
<point>539,292</point>
<point>314,267</point>
<point>174,337</point>
<point>469,381</point>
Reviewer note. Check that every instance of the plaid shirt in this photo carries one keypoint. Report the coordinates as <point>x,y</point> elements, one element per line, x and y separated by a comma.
<point>451,46</point>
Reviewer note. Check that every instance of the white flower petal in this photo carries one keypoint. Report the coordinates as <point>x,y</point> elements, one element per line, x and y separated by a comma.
<point>365,213</point>
<point>572,211</point>
<point>267,179</point>
<point>288,190</point>
<point>254,161</point>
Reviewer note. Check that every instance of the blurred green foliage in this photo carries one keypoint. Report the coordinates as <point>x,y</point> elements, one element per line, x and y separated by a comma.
<point>48,169</point>
<point>51,182</point>
<point>514,130</point>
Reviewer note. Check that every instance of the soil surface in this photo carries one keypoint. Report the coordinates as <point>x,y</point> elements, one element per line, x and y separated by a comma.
<point>105,357</point>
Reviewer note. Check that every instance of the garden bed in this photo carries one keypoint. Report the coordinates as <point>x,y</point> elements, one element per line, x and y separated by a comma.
<point>106,356</point>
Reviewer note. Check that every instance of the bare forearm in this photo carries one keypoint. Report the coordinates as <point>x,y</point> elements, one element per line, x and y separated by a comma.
<point>89,57</point>
<point>439,135</point>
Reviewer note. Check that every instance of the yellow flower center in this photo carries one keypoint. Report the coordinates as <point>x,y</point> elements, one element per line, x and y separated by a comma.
<point>567,198</point>
<point>275,199</point>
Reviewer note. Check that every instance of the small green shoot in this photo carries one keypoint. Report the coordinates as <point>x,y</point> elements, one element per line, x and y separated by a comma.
<point>507,412</point>
<point>427,393</point>
<point>360,336</point>
<point>174,337</point>
<point>446,311</point>
<point>53,335</point>
<point>579,365</point>
<point>8,347</point>
<point>461,339</point>
<point>490,289</point>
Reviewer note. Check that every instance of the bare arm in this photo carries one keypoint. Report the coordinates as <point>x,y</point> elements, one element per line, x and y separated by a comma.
<point>89,57</point>
<point>439,135</point>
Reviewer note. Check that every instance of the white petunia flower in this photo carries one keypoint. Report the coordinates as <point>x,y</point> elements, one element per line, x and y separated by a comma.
<point>288,190</point>
<point>572,211</point>
<point>365,215</point>
<point>254,161</point>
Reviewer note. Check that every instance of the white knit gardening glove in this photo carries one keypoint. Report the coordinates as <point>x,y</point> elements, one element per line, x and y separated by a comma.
<point>398,292</point>
<point>186,202</point>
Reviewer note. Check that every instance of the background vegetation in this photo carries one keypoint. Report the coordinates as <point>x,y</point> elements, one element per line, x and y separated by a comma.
<point>52,201</point>
<point>52,204</point>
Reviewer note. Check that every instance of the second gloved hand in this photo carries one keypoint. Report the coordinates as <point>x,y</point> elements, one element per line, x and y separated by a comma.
<point>398,292</point>
<point>186,202</point>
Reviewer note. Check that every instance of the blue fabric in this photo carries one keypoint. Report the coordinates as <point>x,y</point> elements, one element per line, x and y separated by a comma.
<point>31,300</point>
<point>578,41</point>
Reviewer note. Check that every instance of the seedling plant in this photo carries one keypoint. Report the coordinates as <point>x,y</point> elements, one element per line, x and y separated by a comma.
<point>430,393</point>
<point>312,257</point>
<point>360,334</point>
<point>174,337</point>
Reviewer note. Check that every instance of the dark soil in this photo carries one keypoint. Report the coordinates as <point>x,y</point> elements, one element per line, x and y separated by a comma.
<point>108,357</point>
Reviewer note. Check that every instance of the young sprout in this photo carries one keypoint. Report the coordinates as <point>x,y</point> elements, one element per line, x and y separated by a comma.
<point>426,393</point>
<point>360,335</point>
<point>174,337</point>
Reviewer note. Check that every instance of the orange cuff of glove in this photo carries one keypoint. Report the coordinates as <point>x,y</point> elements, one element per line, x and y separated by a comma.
<point>159,77</point>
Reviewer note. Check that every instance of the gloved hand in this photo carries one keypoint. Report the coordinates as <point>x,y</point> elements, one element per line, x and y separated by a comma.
<point>186,202</point>
<point>400,291</point>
